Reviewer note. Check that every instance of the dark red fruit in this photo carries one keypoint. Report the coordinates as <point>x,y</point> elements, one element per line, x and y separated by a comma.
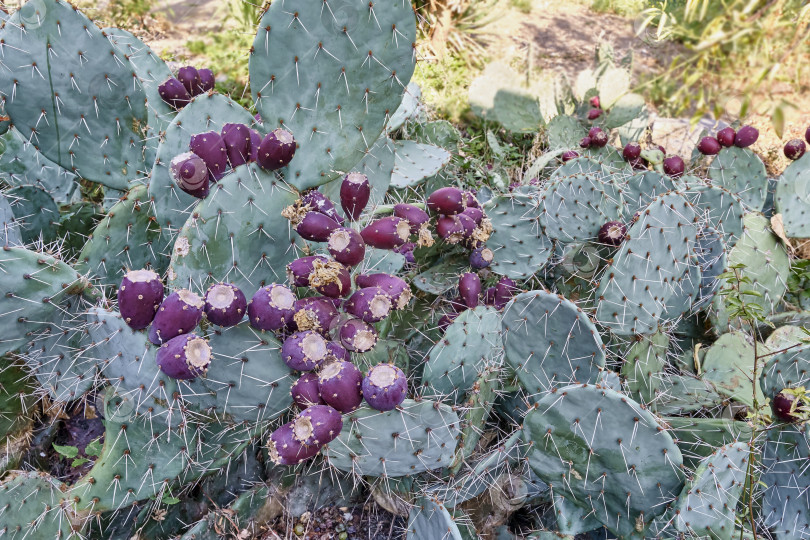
<point>385,387</point>
<point>318,425</point>
<point>447,201</point>
<point>321,203</point>
<point>255,142</point>
<point>139,297</point>
<point>395,287</point>
<point>190,79</point>
<point>304,351</point>
<point>284,449</point>
<point>612,233</point>
<point>415,216</point>
<point>355,192</point>
<point>386,233</point>
<point>585,142</point>
<point>599,139</point>
<point>505,289</point>
<point>469,289</point>
<point>631,151</point>
<point>791,405</point>
<point>331,279</point>
<point>237,143</point>
<point>174,93</point>
<point>300,269</point>
<point>807,135</point>
<point>568,155</point>
<point>726,136</point>
<point>184,357</point>
<point>277,150</point>
<point>315,313</point>
<point>593,114</point>
<point>346,246</point>
<point>709,146</point>
<point>674,166</point>
<point>357,336</point>
<point>371,304</point>
<point>481,258</point>
<point>594,101</point>
<point>211,148</point>
<point>450,229</point>
<point>795,149</point>
<point>316,227</point>
<point>207,80</point>
<point>746,136</point>
<point>190,173</point>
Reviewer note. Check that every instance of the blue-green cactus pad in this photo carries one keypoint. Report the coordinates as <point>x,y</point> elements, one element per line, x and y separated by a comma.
<point>519,245</point>
<point>786,504</point>
<point>740,171</point>
<point>792,198</point>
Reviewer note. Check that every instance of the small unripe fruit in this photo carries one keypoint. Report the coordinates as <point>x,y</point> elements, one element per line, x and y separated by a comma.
<point>795,149</point>
<point>568,155</point>
<point>631,151</point>
<point>594,101</point>
<point>674,166</point>
<point>585,142</point>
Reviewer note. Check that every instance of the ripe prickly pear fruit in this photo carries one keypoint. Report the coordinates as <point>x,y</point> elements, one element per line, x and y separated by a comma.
<point>450,229</point>
<point>304,351</point>
<point>340,385</point>
<point>184,357</point>
<point>447,201</point>
<point>612,233</point>
<point>255,142</point>
<point>316,227</point>
<point>384,387</point>
<point>305,392</point>
<point>505,289</point>
<point>593,114</point>
<point>174,93</point>
<point>469,289</point>
<point>331,279</point>
<point>415,216</point>
<point>792,405</point>
<point>317,425</point>
<point>568,155</point>
<point>406,250</point>
<point>355,192</point>
<point>225,304</point>
<point>674,166</point>
<point>237,143</point>
<point>190,173</point>
<point>190,77</point>
<point>316,313</point>
<point>585,142</point>
<point>598,137</point>
<point>371,304</point>
<point>638,164</point>
<point>594,101</point>
<point>179,314</point>
<point>467,223</point>
<point>299,270</point>
<point>272,308</point>
<point>476,214</point>
<point>795,149</point>
<point>746,136</point>
<point>726,136</point>
<point>481,258</point>
<point>807,135</point>
<point>139,298</point>
<point>395,287</point>
<point>489,296</point>
<point>470,200</point>
<point>709,146</point>
<point>321,203</point>
<point>211,148</point>
<point>346,246</point>
<point>207,80</point>
<point>446,320</point>
<point>631,151</point>
<point>357,336</point>
<point>283,449</point>
<point>277,150</point>
<point>338,352</point>
<point>386,233</point>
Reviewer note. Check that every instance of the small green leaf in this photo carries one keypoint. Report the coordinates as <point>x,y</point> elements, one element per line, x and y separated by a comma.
<point>94,448</point>
<point>67,451</point>
<point>79,462</point>
<point>167,500</point>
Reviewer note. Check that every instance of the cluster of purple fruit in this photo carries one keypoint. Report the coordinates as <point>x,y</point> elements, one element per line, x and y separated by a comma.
<point>471,295</point>
<point>190,82</point>
<point>727,137</point>
<point>595,111</point>
<point>211,153</point>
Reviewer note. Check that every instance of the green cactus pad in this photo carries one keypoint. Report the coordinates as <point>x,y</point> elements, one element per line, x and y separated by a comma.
<point>411,108</point>
<point>625,110</point>
<point>73,94</point>
<point>478,405</point>
<point>635,289</point>
<point>576,207</point>
<point>792,198</point>
<point>640,189</point>
<point>787,369</point>
<point>172,205</point>
<point>572,519</point>
<point>698,438</point>
<point>643,364</point>
<point>441,277</point>
<point>17,411</point>
<point>438,133</point>
<point>786,502</point>
<point>564,132</point>
<point>723,209</point>
<point>128,238</point>
<point>729,366</point>
<point>430,519</point>
<point>9,227</point>
<point>417,436</point>
<point>342,73</point>
<point>236,235</point>
<point>586,438</point>
<point>518,110</point>
<point>740,171</point>
<point>682,394</point>
<point>32,506</point>
<point>36,213</point>
<point>550,342</point>
<point>22,164</point>
<point>416,162</point>
<point>519,245</point>
<point>470,344</point>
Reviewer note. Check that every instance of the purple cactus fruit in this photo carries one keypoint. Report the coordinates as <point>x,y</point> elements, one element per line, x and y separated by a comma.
<point>631,151</point>
<point>277,150</point>
<point>593,114</point>
<point>568,155</point>
<point>467,223</point>
<point>272,308</point>
<point>746,136</point>
<point>395,287</point>
<point>612,233</point>
<point>225,304</point>
<point>385,387</point>
<point>476,214</point>
<point>331,279</point>
<point>505,289</point>
<point>726,136</point>
<point>450,229</point>
<point>346,246</point>
<point>340,385</point>
<point>598,137</point>
<point>406,250</point>
<point>371,304</point>
<point>674,166</point>
<point>481,258</point>
<point>255,142</point>
<point>489,296</point>
<point>415,216</point>
<point>305,392</point>
<point>639,164</point>
<point>784,406</point>
<point>284,449</point>
<point>338,352</point>
<point>191,174</point>
<point>316,313</point>
<point>321,203</point>
<point>317,425</point>
<point>354,194</point>
<point>237,143</point>
<point>178,314</point>
<point>190,78</point>
<point>299,270</point>
<point>207,79</point>
<point>469,289</point>
<point>139,298</point>
<point>447,201</point>
<point>184,357</point>
<point>446,320</point>
<point>807,135</point>
<point>594,101</point>
<point>174,93</point>
<point>304,351</point>
<point>470,200</point>
<point>386,233</point>
<point>357,336</point>
<point>585,142</point>
<point>316,227</point>
<point>211,148</point>
<point>795,149</point>
<point>709,146</point>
